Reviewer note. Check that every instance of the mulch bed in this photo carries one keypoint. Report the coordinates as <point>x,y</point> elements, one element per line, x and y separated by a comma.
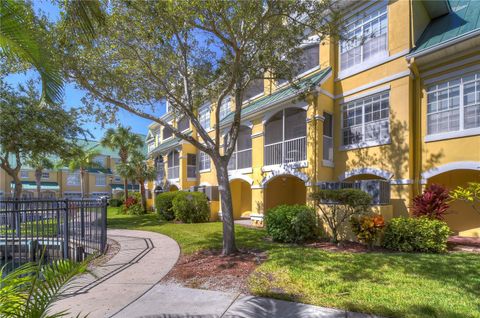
<point>209,269</point>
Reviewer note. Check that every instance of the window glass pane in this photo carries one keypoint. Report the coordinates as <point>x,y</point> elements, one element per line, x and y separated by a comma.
<point>254,88</point>
<point>327,125</point>
<point>24,174</point>
<point>225,109</point>
<point>309,58</point>
<point>100,180</point>
<point>167,133</point>
<point>204,161</point>
<point>183,124</point>
<point>295,123</point>
<point>204,117</point>
<point>191,159</point>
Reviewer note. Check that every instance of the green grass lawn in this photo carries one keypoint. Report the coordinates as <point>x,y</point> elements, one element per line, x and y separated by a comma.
<point>388,284</point>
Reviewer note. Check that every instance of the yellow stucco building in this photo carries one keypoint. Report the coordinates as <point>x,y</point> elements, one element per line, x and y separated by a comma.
<point>389,114</point>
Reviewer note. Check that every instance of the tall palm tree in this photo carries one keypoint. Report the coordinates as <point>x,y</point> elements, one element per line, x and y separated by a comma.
<point>39,163</point>
<point>126,142</point>
<point>139,170</point>
<point>19,38</point>
<point>82,160</point>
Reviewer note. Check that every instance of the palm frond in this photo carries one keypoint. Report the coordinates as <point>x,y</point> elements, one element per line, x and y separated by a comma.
<point>86,15</point>
<point>18,39</point>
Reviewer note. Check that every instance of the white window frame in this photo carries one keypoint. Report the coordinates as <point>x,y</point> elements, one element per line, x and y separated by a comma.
<point>204,117</point>
<point>375,60</point>
<point>77,177</point>
<point>97,184</point>
<point>204,162</point>
<point>366,143</point>
<point>462,131</point>
<point>169,137</point>
<point>23,174</point>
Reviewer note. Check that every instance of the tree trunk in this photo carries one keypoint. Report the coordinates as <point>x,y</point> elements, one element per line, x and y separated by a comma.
<point>142,196</point>
<point>229,246</point>
<point>38,180</point>
<point>125,190</point>
<point>18,187</point>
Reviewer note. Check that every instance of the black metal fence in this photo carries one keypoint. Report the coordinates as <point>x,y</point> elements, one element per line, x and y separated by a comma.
<point>58,229</point>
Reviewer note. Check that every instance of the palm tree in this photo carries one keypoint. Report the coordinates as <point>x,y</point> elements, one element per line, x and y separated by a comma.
<point>139,170</point>
<point>39,163</point>
<point>19,38</point>
<point>82,160</point>
<point>126,142</point>
<point>30,290</point>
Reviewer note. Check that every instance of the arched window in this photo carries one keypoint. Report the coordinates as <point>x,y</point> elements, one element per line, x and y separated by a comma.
<point>173,164</point>
<point>242,156</point>
<point>285,137</point>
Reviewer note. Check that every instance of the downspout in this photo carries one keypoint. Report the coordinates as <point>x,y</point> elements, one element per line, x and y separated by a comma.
<point>416,114</point>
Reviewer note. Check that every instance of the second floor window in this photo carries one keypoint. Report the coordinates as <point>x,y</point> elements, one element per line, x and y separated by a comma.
<point>24,174</point>
<point>254,88</point>
<point>73,179</point>
<point>365,38</point>
<point>167,133</point>
<point>191,165</point>
<point>45,175</point>
<point>204,117</point>
<point>328,137</point>
<point>454,105</point>
<point>100,180</point>
<point>99,160</point>
<point>366,120</point>
<point>225,109</point>
<point>203,161</point>
<point>183,124</point>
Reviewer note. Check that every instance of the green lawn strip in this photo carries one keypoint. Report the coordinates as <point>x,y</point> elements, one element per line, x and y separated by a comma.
<point>388,284</point>
<point>33,229</point>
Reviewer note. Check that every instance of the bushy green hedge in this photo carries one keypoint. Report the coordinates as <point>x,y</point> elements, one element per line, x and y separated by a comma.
<point>291,223</point>
<point>115,202</point>
<point>416,235</point>
<point>164,203</point>
<point>191,207</point>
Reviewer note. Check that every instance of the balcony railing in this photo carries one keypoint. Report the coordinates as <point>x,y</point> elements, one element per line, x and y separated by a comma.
<point>292,150</point>
<point>379,190</point>
<point>240,159</point>
<point>174,172</point>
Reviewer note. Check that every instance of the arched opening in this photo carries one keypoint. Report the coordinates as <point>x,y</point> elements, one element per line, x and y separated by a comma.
<point>241,199</point>
<point>173,162</point>
<point>461,217</point>
<point>242,156</point>
<point>284,189</point>
<point>285,137</point>
<point>172,188</point>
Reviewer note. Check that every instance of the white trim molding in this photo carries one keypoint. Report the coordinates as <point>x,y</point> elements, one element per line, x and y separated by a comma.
<point>387,175</point>
<point>374,83</point>
<point>234,177</point>
<point>401,181</point>
<point>259,134</point>
<point>283,171</point>
<point>453,134</point>
<point>377,90</point>
<point>451,75</point>
<point>457,165</point>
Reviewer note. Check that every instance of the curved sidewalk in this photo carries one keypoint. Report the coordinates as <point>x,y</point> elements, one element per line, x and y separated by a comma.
<point>143,260</point>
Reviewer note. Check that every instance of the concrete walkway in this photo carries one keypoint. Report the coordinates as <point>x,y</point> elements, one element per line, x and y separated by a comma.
<point>128,286</point>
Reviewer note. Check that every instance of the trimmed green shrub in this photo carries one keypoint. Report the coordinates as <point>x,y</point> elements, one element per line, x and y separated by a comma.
<point>115,202</point>
<point>416,235</point>
<point>163,205</point>
<point>291,223</point>
<point>191,207</point>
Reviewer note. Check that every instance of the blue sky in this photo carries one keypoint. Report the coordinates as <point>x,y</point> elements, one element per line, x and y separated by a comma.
<point>73,96</point>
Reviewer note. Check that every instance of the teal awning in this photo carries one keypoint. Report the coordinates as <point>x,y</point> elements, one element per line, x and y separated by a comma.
<point>100,170</point>
<point>32,185</point>
<point>118,186</point>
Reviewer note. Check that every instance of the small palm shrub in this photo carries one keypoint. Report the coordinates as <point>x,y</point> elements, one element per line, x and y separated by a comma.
<point>164,204</point>
<point>367,228</point>
<point>133,205</point>
<point>416,235</point>
<point>432,203</point>
<point>291,223</point>
<point>191,207</point>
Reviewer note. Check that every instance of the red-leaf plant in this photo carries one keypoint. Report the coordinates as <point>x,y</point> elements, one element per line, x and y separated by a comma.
<point>432,203</point>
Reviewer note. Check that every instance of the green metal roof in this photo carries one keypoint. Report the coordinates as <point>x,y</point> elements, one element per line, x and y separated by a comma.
<point>301,86</point>
<point>32,185</point>
<point>170,143</point>
<point>463,19</point>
